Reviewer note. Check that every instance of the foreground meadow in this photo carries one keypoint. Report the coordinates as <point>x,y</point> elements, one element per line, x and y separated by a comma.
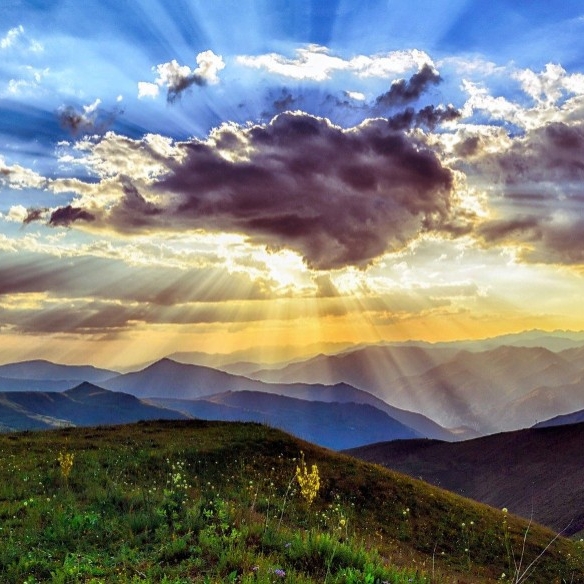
<point>180,502</point>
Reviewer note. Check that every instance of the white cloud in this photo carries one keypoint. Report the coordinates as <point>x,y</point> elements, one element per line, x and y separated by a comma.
<point>176,78</point>
<point>16,214</point>
<point>18,177</point>
<point>146,89</point>
<point>16,37</point>
<point>11,37</point>
<point>315,62</point>
<point>30,82</point>
<point>356,95</point>
<point>209,65</point>
<point>545,87</point>
<point>479,99</point>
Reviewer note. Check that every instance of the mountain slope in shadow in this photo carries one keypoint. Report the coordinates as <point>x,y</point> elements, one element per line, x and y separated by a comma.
<point>534,472</point>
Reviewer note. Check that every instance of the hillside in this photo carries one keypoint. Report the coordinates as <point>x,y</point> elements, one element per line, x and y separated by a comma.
<point>534,472</point>
<point>217,502</point>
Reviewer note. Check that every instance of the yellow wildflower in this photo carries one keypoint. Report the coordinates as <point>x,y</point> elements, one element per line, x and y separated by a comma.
<point>309,482</point>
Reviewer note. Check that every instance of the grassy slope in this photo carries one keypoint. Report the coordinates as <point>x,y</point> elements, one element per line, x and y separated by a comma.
<point>534,472</point>
<point>232,505</point>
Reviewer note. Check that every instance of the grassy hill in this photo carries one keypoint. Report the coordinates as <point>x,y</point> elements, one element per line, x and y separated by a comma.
<point>534,472</point>
<point>194,501</point>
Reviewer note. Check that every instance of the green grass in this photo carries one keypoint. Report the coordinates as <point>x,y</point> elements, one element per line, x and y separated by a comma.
<point>179,502</point>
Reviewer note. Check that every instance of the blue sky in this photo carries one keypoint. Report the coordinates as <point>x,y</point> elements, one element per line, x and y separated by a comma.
<point>268,170</point>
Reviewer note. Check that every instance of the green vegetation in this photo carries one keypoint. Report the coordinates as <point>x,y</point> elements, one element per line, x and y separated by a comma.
<point>180,502</point>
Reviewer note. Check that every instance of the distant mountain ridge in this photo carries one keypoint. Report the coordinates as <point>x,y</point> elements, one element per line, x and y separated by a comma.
<point>499,389</point>
<point>330,424</point>
<point>84,405</point>
<point>167,378</point>
<point>447,391</point>
<point>39,369</point>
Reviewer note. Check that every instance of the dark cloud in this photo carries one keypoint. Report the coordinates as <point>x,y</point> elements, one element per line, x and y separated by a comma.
<point>87,120</point>
<point>468,147</point>
<point>338,197</point>
<point>34,215</point>
<point>540,180</point>
<point>428,117</point>
<point>402,92</point>
<point>180,84</point>
<point>64,216</point>
<point>285,102</point>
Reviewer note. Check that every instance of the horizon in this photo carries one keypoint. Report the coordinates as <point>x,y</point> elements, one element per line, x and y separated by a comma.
<point>276,181</point>
<point>288,355</point>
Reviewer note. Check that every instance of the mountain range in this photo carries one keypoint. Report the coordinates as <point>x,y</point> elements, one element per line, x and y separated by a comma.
<point>333,416</point>
<point>499,389</point>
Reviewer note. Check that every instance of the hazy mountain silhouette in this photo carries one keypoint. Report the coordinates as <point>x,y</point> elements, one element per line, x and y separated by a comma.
<point>47,371</point>
<point>453,387</point>
<point>83,405</point>
<point>167,378</point>
<point>333,425</point>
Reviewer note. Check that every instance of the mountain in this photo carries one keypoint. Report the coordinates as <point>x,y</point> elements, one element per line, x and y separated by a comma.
<point>333,425</point>
<point>47,371</point>
<point>532,472</point>
<point>477,388</point>
<point>168,379</point>
<point>573,418</point>
<point>453,387</point>
<point>84,405</point>
<point>369,367</point>
<point>10,384</point>
<point>546,402</point>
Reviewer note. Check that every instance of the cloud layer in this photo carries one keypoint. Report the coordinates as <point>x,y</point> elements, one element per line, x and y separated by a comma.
<point>336,196</point>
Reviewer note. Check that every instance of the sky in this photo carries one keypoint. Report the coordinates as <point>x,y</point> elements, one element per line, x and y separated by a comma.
<point>286,177</point>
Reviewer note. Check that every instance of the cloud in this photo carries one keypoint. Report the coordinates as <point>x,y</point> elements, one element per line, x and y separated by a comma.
<point>402,92</point>
<point>88,119</point>
<point>429,117</point>
<point>316,63</point>
<point>16,38</point>
<point>146,89</point>
<point>19,178</point>
<point>337,197</point>
<point>539,178</point>
<point>177,78</point>
<point>550,85</point>
<point>64,216</point>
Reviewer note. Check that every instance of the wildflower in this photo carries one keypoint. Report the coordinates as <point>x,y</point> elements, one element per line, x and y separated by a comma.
<point>309,481</point>
<point>66,463</point>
